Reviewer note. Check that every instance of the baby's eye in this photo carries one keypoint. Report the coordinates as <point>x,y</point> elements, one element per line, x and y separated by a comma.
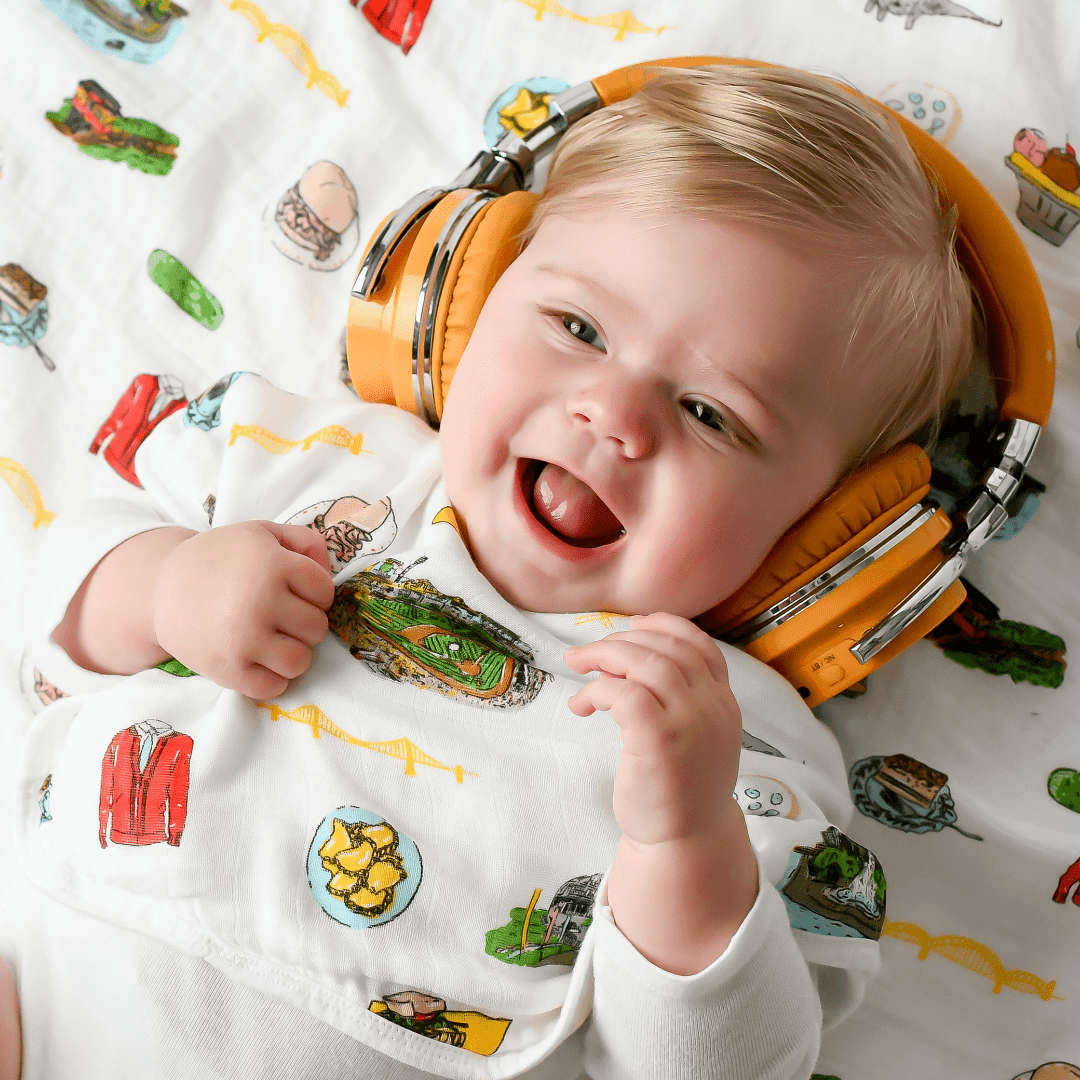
<point>707,415</point>
<point>584,331</point>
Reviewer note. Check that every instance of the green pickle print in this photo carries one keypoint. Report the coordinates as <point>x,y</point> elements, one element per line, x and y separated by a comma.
<point>179,283</point>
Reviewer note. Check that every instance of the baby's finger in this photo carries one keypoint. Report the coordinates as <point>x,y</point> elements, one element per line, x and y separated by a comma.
<point>623,657</point>
<point>309,580</point>
<point>691,661</point>
<point>259,683</point>
<point>605,694</point>
<point>665,623</point>
<point>284,655</point>
<point>301,539</point>
<point>302,620</point>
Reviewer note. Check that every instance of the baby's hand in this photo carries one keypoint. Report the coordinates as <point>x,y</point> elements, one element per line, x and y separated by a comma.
<point>666,684</point>
<point>244,604</point>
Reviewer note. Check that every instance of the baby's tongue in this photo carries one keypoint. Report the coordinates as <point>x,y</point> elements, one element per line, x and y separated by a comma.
<point>571,508</point>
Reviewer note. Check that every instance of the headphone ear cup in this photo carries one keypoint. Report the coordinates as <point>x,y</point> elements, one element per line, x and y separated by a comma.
<point>381,334</point>
<point>483,255</point>
<point>811,648</point>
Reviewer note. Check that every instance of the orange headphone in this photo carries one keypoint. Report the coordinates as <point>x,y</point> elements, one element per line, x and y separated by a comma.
<point>875,565</point>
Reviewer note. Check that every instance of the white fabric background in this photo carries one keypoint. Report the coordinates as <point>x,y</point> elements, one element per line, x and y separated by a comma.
<point>248,129</point>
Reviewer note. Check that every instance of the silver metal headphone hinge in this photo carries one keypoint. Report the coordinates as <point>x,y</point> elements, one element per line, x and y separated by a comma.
<point>576,102</point>
<point>492,170</point>
<point>507,167</point>
<point>975,524</point>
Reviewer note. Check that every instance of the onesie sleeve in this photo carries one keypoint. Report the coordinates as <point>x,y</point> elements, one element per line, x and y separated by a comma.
<point>803,955</point>
<point>242,450</point>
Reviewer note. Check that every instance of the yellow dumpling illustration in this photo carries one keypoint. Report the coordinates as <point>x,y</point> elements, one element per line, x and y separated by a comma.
<point>369,903</point>
<point>384,875</point>
<point>356,859</point>
<point>340,884</point>
<point>364,865</point>
<point>381,835</point>
<point>339,841</point>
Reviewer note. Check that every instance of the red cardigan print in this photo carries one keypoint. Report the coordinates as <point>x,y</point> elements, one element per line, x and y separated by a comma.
<point>148,805</point>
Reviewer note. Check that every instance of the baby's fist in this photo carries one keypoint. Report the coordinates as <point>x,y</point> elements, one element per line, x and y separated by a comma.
<point>245,604</point>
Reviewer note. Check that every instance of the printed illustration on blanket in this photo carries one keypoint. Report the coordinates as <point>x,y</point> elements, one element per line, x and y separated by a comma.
<point>428,1016</point>
<point>24,311</point>
<point>520,107</point>
<point>1064,787</point>
<point>144,785</point>
<point>316,222</point>
<point>836,887</point>
<point>399,21</point>
<point>912,9</point>
<point>204,412</point>
<point>407,630</point>
<point>351,527</point>
<point>1051,1070</point>
<point>142,31</point>
<point>362,871</point>
<point>145,403</point>
<point>92,119</point>
<point>537,936</point>
<point>904,794</point>
<point>974,636</point>
<point>759,746</point>
<point>44,798</point>
<point>1049,183</point>
<point>1067,880</point>
<point>933,109</point>
<point>764,796</point>
<point>185,290</point>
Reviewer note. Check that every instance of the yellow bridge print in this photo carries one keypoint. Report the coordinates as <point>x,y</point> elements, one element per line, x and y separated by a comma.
<point>26,491</point>
<point>334,435</point>
<point>974,956</point>
<point>402,749</point>
<point>605,618</point>
<point>622,22</point>
<point>294,47</point>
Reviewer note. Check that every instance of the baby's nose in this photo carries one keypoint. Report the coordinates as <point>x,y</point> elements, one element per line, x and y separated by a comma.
<point>621,408</point>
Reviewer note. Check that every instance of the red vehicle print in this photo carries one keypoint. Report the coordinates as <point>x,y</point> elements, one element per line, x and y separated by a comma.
<point>144,785</point>
<point>146,402</point>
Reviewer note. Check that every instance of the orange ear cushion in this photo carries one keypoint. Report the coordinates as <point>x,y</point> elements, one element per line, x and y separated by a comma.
<point>478,263</point>
<point>872,498</point>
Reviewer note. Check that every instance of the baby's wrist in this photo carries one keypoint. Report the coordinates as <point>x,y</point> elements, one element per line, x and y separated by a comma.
<point>709,881</point>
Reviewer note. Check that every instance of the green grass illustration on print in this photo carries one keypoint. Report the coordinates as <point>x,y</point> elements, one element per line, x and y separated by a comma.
<point>174,667</point>
<point>554,934</point>
<point>170,275</point>
<point>92,119</point>
<point>406,629</point>
<point>1064,787</point>
<point>835,888</point>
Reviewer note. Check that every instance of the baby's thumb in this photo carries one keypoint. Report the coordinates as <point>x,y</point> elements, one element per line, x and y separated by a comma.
<point>301,539</point>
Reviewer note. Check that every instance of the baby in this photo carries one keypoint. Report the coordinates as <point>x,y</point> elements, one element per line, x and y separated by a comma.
<point>417,845</point>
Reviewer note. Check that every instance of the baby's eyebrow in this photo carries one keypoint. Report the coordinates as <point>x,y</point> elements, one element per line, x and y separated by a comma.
<point>774,417</point>
<point>585,281</point>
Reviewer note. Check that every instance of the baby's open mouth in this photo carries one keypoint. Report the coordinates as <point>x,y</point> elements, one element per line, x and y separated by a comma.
<point>568,507</point>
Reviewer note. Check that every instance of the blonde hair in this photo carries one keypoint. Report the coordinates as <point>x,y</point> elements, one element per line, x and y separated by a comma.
<point>793,151</point>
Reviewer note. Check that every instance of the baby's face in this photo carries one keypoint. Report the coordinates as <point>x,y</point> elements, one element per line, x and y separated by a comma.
<point>645,405</point>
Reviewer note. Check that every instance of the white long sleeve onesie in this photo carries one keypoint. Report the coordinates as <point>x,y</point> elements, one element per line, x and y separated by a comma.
<point>395,869</point>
